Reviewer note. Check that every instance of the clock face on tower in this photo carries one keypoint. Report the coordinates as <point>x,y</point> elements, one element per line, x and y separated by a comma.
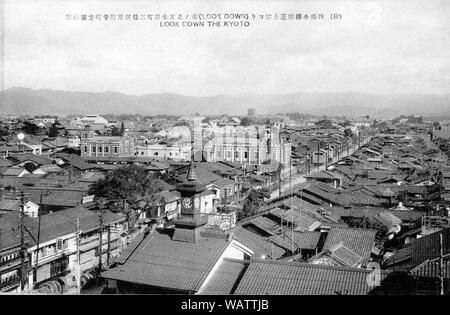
<point>197,203</point>
<point>187,203</point>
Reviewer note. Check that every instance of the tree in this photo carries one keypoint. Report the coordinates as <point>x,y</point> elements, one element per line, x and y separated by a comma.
<point>4,131</point>
<point>253,201</point>
<point>132,184</point>
<point>115,131</point>
<point>53,130</point>
<point>122,129</point>
<point>245,121</point>
<point>348,133</point>
<point>30,128</point>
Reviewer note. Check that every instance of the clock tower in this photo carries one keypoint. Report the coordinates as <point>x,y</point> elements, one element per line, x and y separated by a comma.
<point>190,220</point>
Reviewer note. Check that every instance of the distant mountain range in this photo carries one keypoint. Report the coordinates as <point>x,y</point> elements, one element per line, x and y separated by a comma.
<point>19,101</point>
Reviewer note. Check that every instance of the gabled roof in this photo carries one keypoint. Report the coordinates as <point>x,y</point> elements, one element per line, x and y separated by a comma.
<point>324,175</point>
<point>14,171</point>
<point>292,278</point>
<point>5,163</point>
<point>159,261</point>
<point>10,205</point>
<point>428,246</point>
<point>265,224</point>
<point>402,255</point>
<point>50,168</point>
<point>431,268</point>
<point>361,241</point>
<point>306,240</point>
<point>92,177</point>
<point>226,277</point>
<point>75,161</point>
<point>23,157</point>
<point>224,182</point>
<point>258,244</point>
<point>203,176</point>
<point>55,225</point>
<point>345,255</point>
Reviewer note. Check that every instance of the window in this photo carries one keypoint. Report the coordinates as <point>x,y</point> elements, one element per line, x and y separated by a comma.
<point>115,149</point>
<point>245,155</point>
<point>106,149</point>
<point>85,149</point>
<point>59,244</point>
<point>99,149</point>
<point>59,266</point>
<point>155,154</point>
<point>93,149</point>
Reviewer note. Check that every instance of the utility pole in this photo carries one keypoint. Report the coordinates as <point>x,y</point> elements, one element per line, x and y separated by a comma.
<point>307,160</point>
<point>279,179</point>
<point>78,277</point>
<point>292,209</point>
<point>270,186</point>
<point>100,242</point>
<point>38,240</point>
<point>23,273</point>
<point>318,151</point>
<point>441,263</point>
<point>108,254</point>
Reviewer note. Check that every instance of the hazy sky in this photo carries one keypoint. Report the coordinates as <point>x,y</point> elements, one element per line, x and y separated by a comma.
<point>377,47</point>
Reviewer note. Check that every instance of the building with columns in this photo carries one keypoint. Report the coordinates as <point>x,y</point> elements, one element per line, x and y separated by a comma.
<point>253,145</point>
<point>110,146</point>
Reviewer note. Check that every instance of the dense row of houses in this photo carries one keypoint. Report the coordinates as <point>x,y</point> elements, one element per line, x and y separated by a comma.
<point>370,202</point>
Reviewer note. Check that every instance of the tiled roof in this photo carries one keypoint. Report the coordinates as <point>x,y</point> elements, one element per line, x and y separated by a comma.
<point>324,175</point>
<point>75,160</point>
<point>361,241</point>
<point>224,182</point>
<point>50,168</point>
<point>92,177</point>
<point>258,244</point>
<point>345,255</point>
<point>62,223</point>
<point>284,242</point>
<point>291,278</point>
<point>306,240</point>
<point>428,247</point>
<point>10,205</point>
<point>160,183</point>
<point>203,176</point>
<point>13,171</point>
<point>226,277</point>
<point>265,224</point>
<point>38,159</point>
<point>4,162</point>
<point>165,197</point>
<point>400,256</point>
<point>57,224</point>
<point>431,268</point>
<point>159,261</point>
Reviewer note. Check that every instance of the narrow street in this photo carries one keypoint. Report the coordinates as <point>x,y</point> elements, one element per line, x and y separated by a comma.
<point>299,178</point>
